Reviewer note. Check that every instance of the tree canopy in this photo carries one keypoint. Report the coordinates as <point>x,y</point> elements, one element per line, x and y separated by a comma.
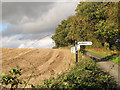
<point>93,21</point>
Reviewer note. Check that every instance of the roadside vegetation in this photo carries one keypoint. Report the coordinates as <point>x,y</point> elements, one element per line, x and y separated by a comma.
<point>85,74</point>
<point>98,53</point>
<point>114,58</point>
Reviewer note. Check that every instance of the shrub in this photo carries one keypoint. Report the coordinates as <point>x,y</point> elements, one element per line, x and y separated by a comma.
<point>12,78</point>
<point>84,75</point>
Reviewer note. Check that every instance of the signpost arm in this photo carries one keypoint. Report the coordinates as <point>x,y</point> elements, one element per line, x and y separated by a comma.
<point>76,51</point>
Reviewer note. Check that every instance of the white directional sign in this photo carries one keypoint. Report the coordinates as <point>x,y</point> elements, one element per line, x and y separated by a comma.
<point>84,43</point>
<point>78,47</point>
<point>72,49</point>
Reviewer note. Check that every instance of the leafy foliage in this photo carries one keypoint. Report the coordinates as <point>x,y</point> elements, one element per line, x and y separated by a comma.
<point>84,75</point>
<point>12,78</point>
<point>93,21</point>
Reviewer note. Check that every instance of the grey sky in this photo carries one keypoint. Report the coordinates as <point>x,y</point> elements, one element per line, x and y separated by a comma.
<point>15,11</point>
<point>32,20</point>
<point>35,17</point>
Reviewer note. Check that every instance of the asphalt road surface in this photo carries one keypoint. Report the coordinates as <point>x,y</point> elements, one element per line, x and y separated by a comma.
<point>112,68</point>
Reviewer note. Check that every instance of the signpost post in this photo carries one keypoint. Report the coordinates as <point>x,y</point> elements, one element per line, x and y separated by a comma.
<point>76,51</point>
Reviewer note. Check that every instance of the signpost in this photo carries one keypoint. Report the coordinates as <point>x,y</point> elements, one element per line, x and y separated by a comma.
<point>72,49</point>
<point>84,43</point>
<point>77,47</point>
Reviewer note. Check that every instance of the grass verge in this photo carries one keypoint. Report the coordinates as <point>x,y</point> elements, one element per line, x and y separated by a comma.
<point>113,58</point>
<point>116,59</point>
<point>98,53</point>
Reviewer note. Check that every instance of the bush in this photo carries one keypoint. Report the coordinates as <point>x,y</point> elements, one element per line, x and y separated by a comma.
<point>84,75</point>
<point>12,78</point>
<point>82,49</point>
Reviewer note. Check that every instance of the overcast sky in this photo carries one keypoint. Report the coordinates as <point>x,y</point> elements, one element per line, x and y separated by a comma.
<point>24,22</point>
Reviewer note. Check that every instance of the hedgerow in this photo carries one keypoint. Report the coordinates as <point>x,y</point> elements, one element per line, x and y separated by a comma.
<point>85,74</point>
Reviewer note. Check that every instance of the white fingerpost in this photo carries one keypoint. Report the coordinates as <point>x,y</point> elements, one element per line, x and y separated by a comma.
<point>78,47</point>
<point>72,49</point>
<point>85,43</point>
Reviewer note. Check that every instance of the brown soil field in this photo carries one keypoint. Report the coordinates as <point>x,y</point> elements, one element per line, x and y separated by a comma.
<point>39,64</point>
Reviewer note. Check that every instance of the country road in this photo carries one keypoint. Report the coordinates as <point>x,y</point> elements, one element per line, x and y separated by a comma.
<point>39,64</point>
<point>112,68</point>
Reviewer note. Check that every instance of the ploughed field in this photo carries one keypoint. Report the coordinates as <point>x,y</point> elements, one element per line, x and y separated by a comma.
<point>39,64</point>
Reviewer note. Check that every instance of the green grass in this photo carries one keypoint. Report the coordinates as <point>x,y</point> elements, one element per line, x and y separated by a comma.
<point>98,53</point>
<point>114,58</point>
